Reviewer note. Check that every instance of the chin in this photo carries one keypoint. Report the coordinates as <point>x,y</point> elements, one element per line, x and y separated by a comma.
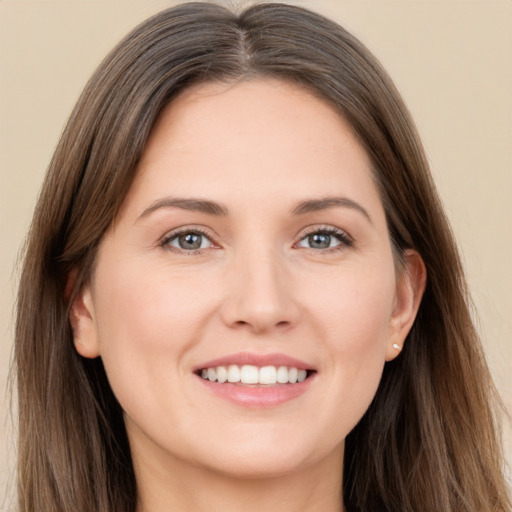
<point>264,459</point>
<point>263,467</point>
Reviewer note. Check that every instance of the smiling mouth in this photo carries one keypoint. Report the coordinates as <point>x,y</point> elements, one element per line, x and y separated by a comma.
<point>250,375</point>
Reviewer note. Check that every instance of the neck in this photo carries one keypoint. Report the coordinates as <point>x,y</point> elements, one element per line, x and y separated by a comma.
<point>181,487</point>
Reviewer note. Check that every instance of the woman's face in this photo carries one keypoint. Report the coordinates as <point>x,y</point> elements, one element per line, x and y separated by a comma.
<point>252,245</point>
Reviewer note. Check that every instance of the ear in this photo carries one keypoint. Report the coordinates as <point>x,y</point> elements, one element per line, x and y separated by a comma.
<point>409,291</point>
<point>81,316</point>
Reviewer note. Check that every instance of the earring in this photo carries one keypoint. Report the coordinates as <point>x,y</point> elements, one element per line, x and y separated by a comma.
<point>396,346</point>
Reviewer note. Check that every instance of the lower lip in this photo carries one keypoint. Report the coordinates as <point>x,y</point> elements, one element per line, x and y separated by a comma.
<point>258,396</point>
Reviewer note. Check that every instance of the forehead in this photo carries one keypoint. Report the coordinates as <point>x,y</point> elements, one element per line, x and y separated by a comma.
<point>264,139</point>
<point>258,113</point>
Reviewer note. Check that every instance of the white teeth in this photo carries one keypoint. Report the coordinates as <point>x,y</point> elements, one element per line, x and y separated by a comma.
<point>292,375</point>
<point>282,375</point>
<point>233,373</point>
<point>268,375</point>
<point>249,374</point>
<point>222,374</point>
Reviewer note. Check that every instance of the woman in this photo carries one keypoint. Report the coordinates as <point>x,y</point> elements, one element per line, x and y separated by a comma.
<point>240,289</point>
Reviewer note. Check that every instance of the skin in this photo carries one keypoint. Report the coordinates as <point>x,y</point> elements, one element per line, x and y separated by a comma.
<point>154,311</point>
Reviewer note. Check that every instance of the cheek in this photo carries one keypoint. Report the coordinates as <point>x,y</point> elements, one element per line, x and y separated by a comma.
<point>353,308</point>
<point>352,319</point>
<point>152,310</point>
<point>145,325</point>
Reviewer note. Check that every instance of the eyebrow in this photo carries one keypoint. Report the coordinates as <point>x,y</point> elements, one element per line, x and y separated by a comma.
<point>214,208</point>
<point>195,205</point>
<point>315,205</point>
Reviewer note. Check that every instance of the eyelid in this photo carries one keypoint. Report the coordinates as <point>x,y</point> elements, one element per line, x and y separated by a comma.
<point>322,227</point>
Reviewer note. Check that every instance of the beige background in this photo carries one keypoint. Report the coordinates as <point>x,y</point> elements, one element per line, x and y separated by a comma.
<point>451,59</point>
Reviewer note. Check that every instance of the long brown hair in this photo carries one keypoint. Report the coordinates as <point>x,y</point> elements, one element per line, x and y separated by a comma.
<point>429,440</point>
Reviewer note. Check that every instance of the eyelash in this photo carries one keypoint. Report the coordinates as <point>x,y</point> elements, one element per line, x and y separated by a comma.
<point>345,240</point>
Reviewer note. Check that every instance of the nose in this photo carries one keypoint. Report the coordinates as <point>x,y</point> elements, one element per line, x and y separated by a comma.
<point>260,294</point>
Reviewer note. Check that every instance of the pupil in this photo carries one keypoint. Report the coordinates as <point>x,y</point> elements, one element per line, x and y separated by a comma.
<point>320,240</point>
<point>190,241</point>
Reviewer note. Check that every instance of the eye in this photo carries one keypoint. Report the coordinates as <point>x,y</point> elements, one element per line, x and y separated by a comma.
<point>326,238</point>
<point>189,240</point>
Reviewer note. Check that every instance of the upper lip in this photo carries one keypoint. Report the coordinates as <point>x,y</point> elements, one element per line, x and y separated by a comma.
<point>243,358</point>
